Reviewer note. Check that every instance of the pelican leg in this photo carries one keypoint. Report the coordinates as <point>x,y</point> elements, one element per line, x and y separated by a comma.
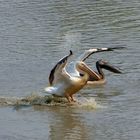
<point>72,99</point>
<point>68,97</point>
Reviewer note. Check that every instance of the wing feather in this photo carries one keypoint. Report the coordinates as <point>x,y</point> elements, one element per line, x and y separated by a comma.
<point>97,50</point>
<point>59,69</point>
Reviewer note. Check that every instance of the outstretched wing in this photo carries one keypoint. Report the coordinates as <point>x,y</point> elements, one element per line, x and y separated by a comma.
<point>89,52</point>
<point>71,67</point>
<point>56,72</point>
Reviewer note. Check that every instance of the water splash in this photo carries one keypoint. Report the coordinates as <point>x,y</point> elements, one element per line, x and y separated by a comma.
<point>88,103</point>
<point>48,100</point>
<point>33,99</point>
<point>71,41</point>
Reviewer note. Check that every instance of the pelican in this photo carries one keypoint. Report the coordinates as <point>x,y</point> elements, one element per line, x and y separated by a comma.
<point>66,80</point>
<point>61,83</point>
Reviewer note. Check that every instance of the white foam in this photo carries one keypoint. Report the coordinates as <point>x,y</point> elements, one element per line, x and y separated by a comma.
<point>87,103</point>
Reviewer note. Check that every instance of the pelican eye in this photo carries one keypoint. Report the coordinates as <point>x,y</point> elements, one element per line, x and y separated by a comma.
<point>81,74</point>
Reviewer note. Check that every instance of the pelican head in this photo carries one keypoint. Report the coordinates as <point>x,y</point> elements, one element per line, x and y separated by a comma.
<point>83,69</point>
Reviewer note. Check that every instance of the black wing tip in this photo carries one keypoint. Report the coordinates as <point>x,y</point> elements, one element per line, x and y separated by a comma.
<point>116,48</point>
<point>71,53</point>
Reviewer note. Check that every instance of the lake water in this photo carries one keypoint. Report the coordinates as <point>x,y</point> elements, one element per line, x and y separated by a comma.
<point>34,34</point>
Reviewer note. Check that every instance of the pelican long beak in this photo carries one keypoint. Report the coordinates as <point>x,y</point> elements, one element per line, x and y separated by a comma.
<point>111,68</point>
<point>83,68</point>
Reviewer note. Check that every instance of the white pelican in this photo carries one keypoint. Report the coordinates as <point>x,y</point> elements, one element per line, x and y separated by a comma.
<point>64,84</point>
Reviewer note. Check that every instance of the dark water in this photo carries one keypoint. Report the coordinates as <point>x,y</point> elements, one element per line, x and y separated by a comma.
<point>34,34</point>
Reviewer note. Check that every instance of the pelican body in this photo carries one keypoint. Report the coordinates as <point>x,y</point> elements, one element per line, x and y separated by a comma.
<point>65,85</point>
